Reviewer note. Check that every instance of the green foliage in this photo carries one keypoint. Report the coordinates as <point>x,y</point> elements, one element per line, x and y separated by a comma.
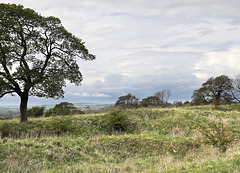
<point>127,101</point>
<point>5,130</point>
<point>61,125</point>
<point>36,111</point>
<point>63,108</point>
<point>214,90</point>
<point>25,36</point>
<point>158,140</point>
<point>118,120</point>
<point>178,104</point>
<point>151,101</point>
<point>218,134</point>
<point>76,112</point>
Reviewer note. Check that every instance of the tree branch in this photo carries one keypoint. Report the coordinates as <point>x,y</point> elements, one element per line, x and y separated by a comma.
<point>8,92</point>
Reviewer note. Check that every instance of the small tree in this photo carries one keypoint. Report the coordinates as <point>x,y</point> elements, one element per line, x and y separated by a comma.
<point>127,101</point>
<point>37,55</point>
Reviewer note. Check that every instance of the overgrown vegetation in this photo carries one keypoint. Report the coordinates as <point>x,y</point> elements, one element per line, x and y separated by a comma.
<point>218,134</point>
<point>130,140</point>
<point>63,108</point>
<point>36,111</point>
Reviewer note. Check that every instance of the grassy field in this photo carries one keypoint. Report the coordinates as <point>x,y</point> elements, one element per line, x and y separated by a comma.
<point>188,139</point>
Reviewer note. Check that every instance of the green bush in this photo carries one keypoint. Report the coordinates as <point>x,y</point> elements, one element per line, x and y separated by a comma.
<point>63,108</point>
<point>5,130</point>
<point>77,112</point>
<point>36,111</point>
<point>61,125</point>
<point>218,134</point>
<point>118,120</point>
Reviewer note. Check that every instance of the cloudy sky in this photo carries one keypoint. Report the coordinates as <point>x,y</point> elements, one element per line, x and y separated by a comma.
<point>143,46</point>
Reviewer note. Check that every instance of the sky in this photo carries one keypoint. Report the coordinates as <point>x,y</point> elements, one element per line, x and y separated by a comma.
<point>145,46</point>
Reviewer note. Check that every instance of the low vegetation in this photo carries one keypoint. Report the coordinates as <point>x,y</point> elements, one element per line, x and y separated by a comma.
<point>186,139</point>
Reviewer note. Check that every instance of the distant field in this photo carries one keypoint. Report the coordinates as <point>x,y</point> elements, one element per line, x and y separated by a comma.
<point>13,110</point>
<point>8,111</point>
<point>141,140</point>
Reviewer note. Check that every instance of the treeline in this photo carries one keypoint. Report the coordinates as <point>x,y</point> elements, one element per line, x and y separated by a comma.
<point>216,91</point>
<point>159,99</point>
<point>63,108</point>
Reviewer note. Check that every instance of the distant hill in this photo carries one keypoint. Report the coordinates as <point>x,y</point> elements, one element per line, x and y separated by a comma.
<point>13,110</point>
<point>8,110</point>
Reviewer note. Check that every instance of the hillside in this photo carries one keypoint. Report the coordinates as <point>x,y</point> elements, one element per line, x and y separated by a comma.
<point>142,140</point>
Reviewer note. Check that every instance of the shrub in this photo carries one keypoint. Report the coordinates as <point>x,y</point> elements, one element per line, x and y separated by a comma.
<point>36,111</point>
<point>218,134</point>
<point>49,112</point>
<point>77,112</point>
<point>178,104</point>
<point>63,108</point>
<point>117,120</point>
<point>61,124</point>
<point>5,130</point>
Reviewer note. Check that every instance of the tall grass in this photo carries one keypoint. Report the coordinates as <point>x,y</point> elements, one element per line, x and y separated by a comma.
<point>159,140</point>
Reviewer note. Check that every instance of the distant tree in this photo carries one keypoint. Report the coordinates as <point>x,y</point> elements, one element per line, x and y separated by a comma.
<point>214,90</point>
<point>37,55</point>
<point>36,111</point>
<point>236,88</point>
<point>63,108</point>
<point>151,101</point>
<point>186,103</point>
<point>163,97</point>
<point>127,101</point>
<point>177,103</point>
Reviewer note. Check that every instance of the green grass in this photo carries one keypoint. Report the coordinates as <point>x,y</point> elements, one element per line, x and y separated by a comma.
<point>162,140</point>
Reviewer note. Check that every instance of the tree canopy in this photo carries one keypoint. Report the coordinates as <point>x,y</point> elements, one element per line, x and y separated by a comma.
<point>37,55</point>
<point>63,108</point>
<point>127,101</point>
<point>214,90</point>
<point>151,101</point>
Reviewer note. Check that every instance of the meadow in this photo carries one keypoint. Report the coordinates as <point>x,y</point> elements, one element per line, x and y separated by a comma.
<point>185,139</point>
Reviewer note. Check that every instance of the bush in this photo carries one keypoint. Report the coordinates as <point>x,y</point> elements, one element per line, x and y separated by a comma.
<point>5,130</point>
<point>218,134</point>
<point>178,104</point>
<point>117,120</point>
<point>61,124</point>
<point>77,112</point>
<point>63,108</point>
<point>36,111</point>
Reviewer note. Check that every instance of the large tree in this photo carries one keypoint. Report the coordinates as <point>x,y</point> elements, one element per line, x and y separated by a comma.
<point>214,90</point>
<point>37,55</point>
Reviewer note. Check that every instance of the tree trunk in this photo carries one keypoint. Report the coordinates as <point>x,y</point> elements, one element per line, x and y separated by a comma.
<point>23,108</point>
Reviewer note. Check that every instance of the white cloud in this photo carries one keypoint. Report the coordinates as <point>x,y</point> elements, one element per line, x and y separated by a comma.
<point>218,63</point>
<point>100,95</point>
